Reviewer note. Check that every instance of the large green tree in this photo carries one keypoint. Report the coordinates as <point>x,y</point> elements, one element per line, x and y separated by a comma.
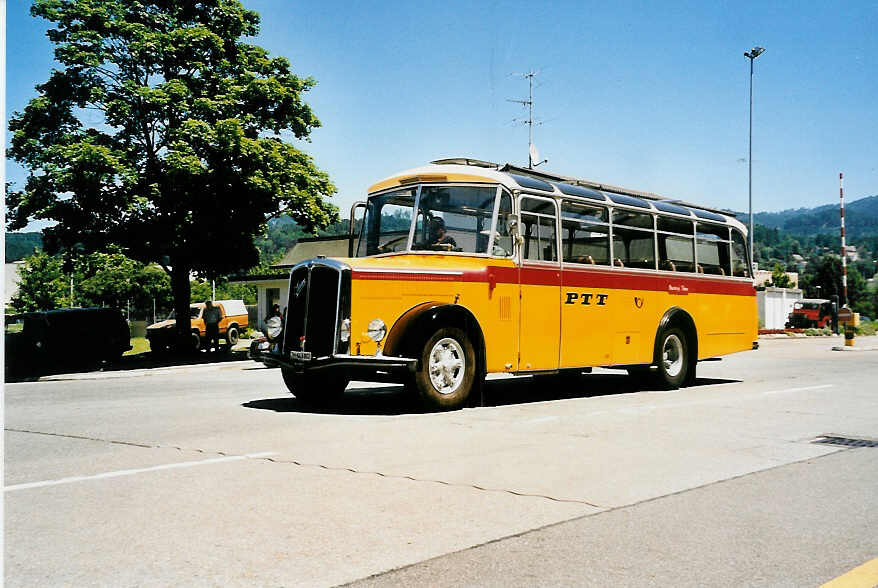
<point>163,131</point>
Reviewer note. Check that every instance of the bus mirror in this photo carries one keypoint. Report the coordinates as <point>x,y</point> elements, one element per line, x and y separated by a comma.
<point>512,229</point>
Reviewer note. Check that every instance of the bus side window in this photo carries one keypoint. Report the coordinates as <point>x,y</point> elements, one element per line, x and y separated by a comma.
<point>676,251</point>
<point>585,237</point>
<point>712,244</point>
<point>539,234</point>
<point>740,267</point>
<point>633,239</point>
<point>503,240</point>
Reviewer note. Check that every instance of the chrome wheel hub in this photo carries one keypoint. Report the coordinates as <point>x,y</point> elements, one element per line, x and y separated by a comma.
<point>446,366</point>
<point>672,355</point>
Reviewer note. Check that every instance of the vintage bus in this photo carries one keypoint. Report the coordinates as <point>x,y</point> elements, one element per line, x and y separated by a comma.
<point>464,268</point>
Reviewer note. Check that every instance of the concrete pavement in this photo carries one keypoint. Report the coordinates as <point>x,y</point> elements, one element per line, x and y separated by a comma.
<point>376,485</point>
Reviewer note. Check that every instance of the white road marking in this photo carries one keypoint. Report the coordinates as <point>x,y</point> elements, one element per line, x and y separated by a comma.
<point>803,389</point>
<point>116,474</point>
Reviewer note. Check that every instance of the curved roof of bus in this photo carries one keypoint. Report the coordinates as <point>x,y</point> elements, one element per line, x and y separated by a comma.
<point>537,182</point>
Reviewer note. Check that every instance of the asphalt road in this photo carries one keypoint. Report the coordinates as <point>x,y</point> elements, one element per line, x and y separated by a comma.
<point>214,475</point>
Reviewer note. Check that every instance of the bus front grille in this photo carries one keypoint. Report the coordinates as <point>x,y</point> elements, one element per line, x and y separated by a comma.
<point>312,309</point>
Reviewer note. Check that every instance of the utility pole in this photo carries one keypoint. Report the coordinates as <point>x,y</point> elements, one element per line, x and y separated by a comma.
<point>751,55</point>
<point>533,155</point>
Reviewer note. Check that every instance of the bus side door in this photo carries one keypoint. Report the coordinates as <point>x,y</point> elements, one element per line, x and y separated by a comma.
<point>539,285</point>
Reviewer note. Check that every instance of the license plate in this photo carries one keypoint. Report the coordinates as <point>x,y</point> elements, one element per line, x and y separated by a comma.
<point>300,355</point>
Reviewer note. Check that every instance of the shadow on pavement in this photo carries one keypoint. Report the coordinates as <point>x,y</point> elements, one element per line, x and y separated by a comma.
<point>394,400</point>
<point>141,361</point>
<point>149,360</point>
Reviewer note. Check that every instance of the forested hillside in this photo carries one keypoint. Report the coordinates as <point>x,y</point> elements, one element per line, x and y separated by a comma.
<point>21,245</point>
<point>861,219</point>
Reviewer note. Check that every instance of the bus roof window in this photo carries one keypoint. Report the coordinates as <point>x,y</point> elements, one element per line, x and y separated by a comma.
<point>584,211</point>
<point>630,218</point>
<point>629,200</point>
<point>672,224</point>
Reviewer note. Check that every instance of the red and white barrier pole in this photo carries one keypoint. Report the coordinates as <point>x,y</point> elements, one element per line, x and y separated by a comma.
<point>844,264</point>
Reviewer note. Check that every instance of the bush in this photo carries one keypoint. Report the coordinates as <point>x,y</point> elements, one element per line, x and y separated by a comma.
<point>825,331</point>
<point>869,328</point>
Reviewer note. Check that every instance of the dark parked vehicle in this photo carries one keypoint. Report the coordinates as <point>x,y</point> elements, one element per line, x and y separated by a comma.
<point>70,339</point>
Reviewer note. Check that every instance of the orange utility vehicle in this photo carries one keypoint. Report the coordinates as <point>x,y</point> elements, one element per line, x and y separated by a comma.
<point>464,268</point>
<point>234,321</point>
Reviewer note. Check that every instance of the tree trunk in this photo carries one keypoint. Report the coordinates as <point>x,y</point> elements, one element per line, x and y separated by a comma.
<point>182,290</point>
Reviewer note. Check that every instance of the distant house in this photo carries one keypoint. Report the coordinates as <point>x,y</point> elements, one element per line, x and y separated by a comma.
<point>762,276</point>
<point>273,288</point>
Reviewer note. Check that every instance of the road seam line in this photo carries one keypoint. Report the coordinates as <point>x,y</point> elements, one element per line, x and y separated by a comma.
<point>267,457</point>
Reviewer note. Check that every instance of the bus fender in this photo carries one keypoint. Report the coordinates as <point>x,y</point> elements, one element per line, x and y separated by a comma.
<point>412,329</point>
<point>677,317</point>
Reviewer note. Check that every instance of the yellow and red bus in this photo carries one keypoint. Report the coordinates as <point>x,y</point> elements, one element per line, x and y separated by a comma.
<point>464,268</point>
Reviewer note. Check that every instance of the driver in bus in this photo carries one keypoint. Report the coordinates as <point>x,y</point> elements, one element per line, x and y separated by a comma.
<point>438,238</point>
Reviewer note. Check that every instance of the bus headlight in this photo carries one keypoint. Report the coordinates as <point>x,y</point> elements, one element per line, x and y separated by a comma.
<point>376,330</point>
<point>344,333</point>
<point>273,327</point>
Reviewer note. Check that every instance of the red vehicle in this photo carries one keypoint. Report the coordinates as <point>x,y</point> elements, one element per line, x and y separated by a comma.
<point>810,312</point>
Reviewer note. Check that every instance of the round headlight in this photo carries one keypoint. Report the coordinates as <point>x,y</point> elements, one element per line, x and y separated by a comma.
<point>345,332</point>
<point>376,330</point>
<point>273,327</point>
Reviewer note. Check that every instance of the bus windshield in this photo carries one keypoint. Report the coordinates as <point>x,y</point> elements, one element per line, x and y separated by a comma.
<point>439,218</point>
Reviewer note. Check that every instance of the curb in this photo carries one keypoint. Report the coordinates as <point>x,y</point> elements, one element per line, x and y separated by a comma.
<point>845,348</point>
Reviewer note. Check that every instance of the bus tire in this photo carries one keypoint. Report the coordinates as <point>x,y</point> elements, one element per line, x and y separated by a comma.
<point>446,370</point>
<point>316,391</point>
<point>672,359</point>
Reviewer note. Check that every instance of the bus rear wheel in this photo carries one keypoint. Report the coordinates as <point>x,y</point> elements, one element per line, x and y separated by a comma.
<point>447,370</point>
<point>312,390</point>
<point>672,359</point>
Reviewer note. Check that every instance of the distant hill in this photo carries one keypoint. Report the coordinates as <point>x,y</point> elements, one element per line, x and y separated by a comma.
<point>21,245</point>
<point>861,219</point>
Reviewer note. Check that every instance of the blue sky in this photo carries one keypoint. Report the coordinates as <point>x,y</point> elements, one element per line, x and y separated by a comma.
<point>648,95</point>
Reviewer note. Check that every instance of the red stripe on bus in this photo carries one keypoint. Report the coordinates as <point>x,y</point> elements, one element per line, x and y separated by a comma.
<point>577,278</point>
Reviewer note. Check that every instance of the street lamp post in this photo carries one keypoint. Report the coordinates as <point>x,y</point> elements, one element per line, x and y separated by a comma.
<point>751,55</point>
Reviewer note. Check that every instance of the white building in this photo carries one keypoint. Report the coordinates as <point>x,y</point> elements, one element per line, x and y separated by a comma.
<point>775,305</point>
<point>10,281</point>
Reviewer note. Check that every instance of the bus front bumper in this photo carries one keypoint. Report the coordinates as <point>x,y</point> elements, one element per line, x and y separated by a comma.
<point>377,368</point>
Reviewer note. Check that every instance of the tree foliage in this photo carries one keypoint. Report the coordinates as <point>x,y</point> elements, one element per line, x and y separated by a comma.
<point>827,274</point>
<point>42,284</point>
<point>99,279</point>
<point>203,290</point>
<point>779,278</point>
<point>163,132</point>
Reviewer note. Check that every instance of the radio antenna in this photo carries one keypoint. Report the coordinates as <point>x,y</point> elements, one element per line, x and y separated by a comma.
<point>533,156</point>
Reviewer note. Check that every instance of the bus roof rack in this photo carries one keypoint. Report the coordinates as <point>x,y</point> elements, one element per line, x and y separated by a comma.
<point>465,161</point>
<point>508,167</point>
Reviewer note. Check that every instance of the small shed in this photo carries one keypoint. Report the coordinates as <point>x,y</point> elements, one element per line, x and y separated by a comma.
<point>775,305</point>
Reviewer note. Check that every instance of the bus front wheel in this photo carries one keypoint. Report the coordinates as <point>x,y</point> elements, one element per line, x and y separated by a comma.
<point>672,363</point>
<point>447,369</point>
